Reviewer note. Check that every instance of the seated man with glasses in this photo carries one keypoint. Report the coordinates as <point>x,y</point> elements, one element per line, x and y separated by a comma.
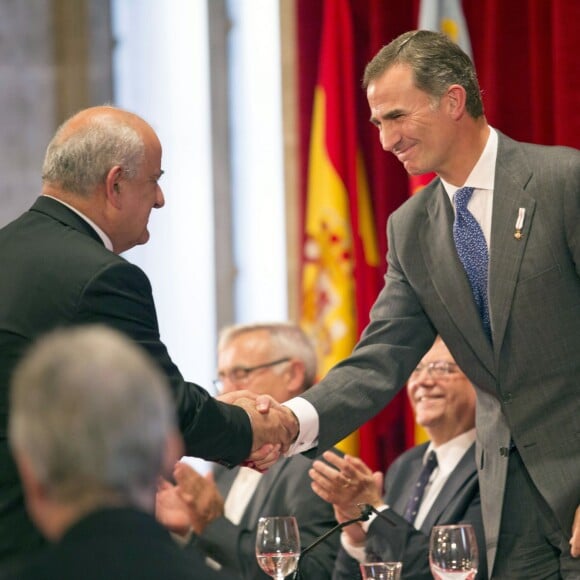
<point>431,484</point>
<point>276,359</point>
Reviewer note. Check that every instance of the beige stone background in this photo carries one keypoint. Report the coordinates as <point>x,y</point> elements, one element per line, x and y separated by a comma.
<point>55,58</point>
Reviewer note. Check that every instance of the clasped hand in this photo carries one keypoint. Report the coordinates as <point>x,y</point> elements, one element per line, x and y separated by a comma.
<point>274,426</point>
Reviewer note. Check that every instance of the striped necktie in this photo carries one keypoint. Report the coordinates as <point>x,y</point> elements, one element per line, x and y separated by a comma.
<point>419,487</point>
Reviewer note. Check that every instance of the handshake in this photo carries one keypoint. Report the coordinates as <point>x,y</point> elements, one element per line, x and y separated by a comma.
<point>274,426</point>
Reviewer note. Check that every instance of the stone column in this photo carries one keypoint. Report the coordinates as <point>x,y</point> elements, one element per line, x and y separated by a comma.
<point>55,58</point>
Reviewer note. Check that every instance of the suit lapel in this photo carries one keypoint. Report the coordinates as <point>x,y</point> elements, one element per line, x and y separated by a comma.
<point>511,178</point>
<point>465,469</point>
<point>257,504</point>
<point>448,275</point>
<point>224,478</point>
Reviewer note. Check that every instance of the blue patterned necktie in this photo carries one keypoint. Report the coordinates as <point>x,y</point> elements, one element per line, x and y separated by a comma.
<point>472,251</point>
<point>419,488</point>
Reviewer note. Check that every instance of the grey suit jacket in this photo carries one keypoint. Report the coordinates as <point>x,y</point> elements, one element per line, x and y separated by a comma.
<point>528,379</point>
<point>458,502</point>
<point>283,490</point>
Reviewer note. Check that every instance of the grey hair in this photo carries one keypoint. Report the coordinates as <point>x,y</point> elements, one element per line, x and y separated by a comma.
<point>92,413</point>
<point>79,160</point>
<point>286,339</point>
<point>436,61</point>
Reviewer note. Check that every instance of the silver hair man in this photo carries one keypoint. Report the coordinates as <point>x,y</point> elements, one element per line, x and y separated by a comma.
<point>91,425</point>
<point>78,162</point>
<point>285,338</point>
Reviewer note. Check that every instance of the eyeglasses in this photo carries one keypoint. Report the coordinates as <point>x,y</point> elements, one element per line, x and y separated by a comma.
<point>238,375</point>
<point>436,369</point>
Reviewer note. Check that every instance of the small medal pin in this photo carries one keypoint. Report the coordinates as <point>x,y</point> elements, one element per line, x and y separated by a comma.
<point>520,223</point>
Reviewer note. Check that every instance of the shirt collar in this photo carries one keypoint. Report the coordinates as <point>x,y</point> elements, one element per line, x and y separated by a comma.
<point>104,237</point>
<point>482,175</point>
<point>449,454</point>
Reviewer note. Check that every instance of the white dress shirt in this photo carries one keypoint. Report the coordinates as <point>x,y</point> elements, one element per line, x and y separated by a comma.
<point>448,457</point>
<point>241,493</point>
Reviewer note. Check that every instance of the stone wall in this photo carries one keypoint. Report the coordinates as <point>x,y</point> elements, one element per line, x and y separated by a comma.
<point>55,58</point>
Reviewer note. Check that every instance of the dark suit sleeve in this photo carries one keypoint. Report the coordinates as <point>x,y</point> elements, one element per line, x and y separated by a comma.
<point>120,296</point>
<point>397,336</point>
<point>402,542</point>
<point>221,541</point>
<point>345,567</point>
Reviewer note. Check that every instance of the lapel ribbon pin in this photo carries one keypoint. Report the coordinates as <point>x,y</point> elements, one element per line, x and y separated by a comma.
<point>520,223</point>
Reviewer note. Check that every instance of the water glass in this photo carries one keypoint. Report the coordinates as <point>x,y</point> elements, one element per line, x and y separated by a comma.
<point>381,570</point>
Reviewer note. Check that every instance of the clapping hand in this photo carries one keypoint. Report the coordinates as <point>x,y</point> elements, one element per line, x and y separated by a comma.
<point>346,482</point>
<point>200,494</point>
<point>170,510</point>
<point>192,503</point>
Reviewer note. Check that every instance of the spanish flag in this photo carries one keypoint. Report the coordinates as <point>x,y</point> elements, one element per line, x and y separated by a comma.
<point>340,257</point>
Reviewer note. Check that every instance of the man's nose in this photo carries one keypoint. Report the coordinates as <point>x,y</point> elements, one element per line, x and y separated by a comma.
<point>388,138</point>
<point>423,377</point>
<point>230,386</point>
<point>160,198</point>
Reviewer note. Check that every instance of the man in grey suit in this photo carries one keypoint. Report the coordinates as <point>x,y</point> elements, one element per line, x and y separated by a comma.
<point>517,337</point>
<point>277,359</point>
<point>443,401</point>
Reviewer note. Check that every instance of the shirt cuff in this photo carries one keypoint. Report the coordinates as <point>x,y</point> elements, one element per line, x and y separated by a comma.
<point>366,525</point>
<point>354,551</point>
<point>308,425</point>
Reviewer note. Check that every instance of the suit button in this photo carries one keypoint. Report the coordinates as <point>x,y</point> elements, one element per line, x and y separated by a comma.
<point>504,451</point>
<point>507,398</point>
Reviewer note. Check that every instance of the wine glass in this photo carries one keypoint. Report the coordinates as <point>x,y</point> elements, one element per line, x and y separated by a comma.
<point>453,552</point>
<point>381,570</point>
<point>278,545</point>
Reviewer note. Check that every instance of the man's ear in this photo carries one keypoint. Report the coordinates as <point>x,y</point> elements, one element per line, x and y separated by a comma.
<point>34,491</point>
<point>295,373</point>
<point>113,186</point>
<point>456,98</point>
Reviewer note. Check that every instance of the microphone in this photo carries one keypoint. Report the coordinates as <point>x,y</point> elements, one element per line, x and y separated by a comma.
<point>367,507</point>
<point>365,513</point>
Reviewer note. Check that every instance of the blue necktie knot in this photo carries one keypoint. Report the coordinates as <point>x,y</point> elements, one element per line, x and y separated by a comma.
<point>462,197</point>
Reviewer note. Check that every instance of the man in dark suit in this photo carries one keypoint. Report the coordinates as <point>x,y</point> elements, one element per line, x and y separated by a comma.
<point>60,266</point>
<point>276,359</point>
<point>92,426</point>
<point>499,281</point>
<point>443,401</point>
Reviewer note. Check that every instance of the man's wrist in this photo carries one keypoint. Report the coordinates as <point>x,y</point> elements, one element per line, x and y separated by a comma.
<point>183,539</point>
<point>296,427</point>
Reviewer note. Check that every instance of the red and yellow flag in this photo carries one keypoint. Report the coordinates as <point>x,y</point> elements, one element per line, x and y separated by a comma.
<point>340,251</point>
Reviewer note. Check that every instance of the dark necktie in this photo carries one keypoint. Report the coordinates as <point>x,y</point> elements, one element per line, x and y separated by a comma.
<point>472,251</point>
<point>419,488</point>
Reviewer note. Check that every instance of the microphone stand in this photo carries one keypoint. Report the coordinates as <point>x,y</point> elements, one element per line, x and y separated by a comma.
<point>365,513</point>
<point>368,507</point>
